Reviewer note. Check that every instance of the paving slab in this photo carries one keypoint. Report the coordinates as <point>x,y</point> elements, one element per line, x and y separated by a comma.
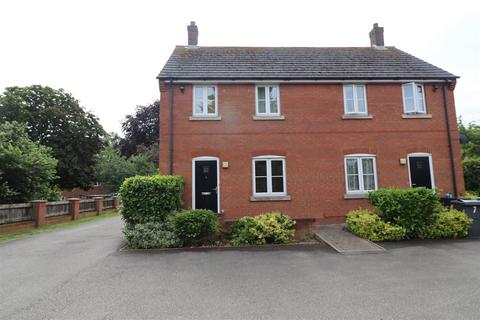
<point>344,242</point>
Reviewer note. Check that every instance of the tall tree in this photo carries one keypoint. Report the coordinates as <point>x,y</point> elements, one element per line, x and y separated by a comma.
<point>27,171</point>
<point>55,119</point>
<point>141,130</point>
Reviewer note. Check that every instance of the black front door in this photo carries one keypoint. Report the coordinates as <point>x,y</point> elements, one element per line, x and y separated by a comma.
<point>206,195</point>
<point>420,172</point>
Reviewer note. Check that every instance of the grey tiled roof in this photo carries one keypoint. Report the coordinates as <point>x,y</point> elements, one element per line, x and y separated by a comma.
<point>300,63</point>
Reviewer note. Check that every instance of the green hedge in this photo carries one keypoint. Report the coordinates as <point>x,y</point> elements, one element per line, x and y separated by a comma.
<point>195,225</point>
<point>369,225</point>
<point>448,224</point>
<point>150,198</point>
<point>273,227</point>
<point>151,235</point>
<point>471,172</point>
<point>412,209</point>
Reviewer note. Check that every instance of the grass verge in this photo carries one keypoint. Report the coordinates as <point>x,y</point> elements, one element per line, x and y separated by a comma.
<point>52,227</point>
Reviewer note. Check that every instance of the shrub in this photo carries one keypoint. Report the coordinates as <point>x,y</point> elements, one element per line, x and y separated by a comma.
<point>151,235</point>
<point>150,198</point>
<point>471,172</point>
<point>273,227</point>
<point>369,225</point>
<point>194,225</point>
<point>412,209</point>
<point>470,195</point>
<point>448,224</point>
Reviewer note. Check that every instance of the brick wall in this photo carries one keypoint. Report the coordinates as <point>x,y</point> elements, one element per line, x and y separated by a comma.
<point>314,138</point>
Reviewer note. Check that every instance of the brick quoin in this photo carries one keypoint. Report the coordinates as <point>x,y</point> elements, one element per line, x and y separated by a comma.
<point>314,139</point>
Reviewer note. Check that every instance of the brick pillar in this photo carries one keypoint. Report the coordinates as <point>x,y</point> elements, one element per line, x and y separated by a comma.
<point>116,202</point>
<point>39,212</point>
<point>98,205</point>
<point>74,208</point>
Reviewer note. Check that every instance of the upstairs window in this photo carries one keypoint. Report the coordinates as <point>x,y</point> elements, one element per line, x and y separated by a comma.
<point>205,101</point>
<point>268,101</point>
<point>355,99</point>
<point>413,98</point>
<point>360,173</point>
<point>269,176</point>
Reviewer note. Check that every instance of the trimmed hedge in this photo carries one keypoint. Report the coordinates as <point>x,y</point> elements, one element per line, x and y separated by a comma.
<point>194,225</point>
<point>369,225</point>
<point>412,209</point>
<point>448,224</point>
<point>151,235</point>
<point>150,198</point>
<point>273,227</point>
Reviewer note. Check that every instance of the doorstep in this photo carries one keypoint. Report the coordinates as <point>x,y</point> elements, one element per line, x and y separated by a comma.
<point>344,242</point>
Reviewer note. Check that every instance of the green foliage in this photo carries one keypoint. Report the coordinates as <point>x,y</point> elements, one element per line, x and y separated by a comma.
<point>195,225</point>
<point>472,147</point>
<point>470,195</point>
<point>112,168</point>
<point>55,119</point>
<point>273,227</point>
<point>367,224</point>
<point>151,235</point>
<point>27,171</point>
<point>471,172</point>
<point>448,224</point>
<point>412,209</point>
<point>150,198</point>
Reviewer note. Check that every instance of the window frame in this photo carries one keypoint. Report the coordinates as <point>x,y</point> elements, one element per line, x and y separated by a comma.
<point>415,98</point>
<point>205,113</point>
<point>360,172</point>
<point>355,100</point>
<point>269,192</point>
<point>267,101</point>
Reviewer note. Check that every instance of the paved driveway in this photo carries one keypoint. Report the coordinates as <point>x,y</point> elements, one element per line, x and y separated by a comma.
<point>79,273</point>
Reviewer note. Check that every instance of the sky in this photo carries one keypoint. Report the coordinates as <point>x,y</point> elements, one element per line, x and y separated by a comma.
<point>108,53</point>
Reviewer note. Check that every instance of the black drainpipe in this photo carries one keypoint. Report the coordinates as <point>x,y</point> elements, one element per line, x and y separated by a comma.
<point>450,148</point>
<point>170,92</point>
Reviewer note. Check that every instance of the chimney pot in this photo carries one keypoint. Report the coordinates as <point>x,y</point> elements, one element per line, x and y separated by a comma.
<point>192,34</point>
<point>376,36</point>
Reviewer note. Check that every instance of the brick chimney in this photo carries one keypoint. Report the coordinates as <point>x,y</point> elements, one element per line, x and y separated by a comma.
<point>376,36</point>
<point>192,34</point>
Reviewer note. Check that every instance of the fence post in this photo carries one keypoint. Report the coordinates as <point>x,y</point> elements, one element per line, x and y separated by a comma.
<point>98,205</point>
<point>74,208</point>
<point>116,203</point>
<point>39,212</point>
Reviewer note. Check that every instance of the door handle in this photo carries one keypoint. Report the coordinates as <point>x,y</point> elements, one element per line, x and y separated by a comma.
<point>206,193</point>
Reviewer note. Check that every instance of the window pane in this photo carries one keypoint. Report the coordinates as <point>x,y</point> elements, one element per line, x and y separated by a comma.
<point>273,106</point>
<point>368,182</point>
<point>352,166</point>
<point>352,182</point>
<point>261,106</point>
<point>273,96</point>
<point>198,100</point>
<point>211,99</point>
<point>261,93</point>
<point>277,168</point>
<point>277,184</point>
<point>348,89</point>
<point>367,166</point>
<point>361,98</point>
<point>260,168</point>
<point>349,106</point>
<point>408,97</point>
<point>261,184</point>
<point>420,102</point>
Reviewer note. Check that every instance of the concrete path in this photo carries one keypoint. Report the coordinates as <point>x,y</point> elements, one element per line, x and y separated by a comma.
<point>344,241</point>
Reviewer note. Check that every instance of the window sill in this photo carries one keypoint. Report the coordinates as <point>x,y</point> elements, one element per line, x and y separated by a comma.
<point>416,116</point>
<point>357,116</point>
<point>268,118</point>
<point>355,196</point>
<point>270,198</point>
<point>198,118</point>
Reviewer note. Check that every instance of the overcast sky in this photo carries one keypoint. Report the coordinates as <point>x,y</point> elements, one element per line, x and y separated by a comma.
<point>108,53</point>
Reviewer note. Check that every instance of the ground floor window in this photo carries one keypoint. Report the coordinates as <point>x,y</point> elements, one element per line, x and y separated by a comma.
<point>269,177</point>
<point>360,173</point>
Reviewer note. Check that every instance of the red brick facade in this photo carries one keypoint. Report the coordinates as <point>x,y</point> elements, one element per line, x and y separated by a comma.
<point>314,139</point>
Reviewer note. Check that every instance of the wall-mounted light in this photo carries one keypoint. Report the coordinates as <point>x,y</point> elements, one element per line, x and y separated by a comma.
<point>182,88</point>
<point>435,87</point>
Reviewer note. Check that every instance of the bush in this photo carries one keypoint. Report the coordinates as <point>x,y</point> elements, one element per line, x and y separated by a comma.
<point>471,172</point>
<point>151,235</point>
<point>194,225</point>
<point>150,198</point>
<point>412,209</point>
<point>448,224</point>
<point>369,225</point>
<point>266,228</point>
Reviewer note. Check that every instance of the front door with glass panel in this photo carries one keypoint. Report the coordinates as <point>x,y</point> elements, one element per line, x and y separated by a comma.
<point>420,173</point>
<point>206,188</point>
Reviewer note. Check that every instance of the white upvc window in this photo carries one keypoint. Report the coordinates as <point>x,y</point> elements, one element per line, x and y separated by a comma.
<point>205,101</point>
<point>267,100</point>
<point>355,99</point>
<point>360,173</point>
<point>413,98</point>
<point>269,177</point>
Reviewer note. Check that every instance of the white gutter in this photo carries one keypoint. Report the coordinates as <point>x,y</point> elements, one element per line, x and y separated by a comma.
<point>307,81</point>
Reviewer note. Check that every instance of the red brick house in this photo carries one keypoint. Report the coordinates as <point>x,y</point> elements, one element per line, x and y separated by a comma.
<point>306,131</point>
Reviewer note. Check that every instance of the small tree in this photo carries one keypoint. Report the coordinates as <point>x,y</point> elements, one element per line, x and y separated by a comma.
<point>27,171</point>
